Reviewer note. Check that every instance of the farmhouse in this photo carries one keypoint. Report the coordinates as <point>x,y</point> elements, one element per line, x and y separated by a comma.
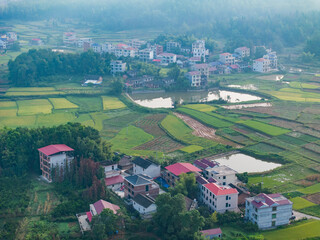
<point>81,41</point>
<point>261,65</point>
<point>171,46</point>
<point>268,210</point>
<point>96,47</point>
<point>136,43</point>
<point>242,52</point>
<point>204,164</point>
<point>51,156</point>
<point>69,38</point>
<point>146,167</point>
<point>194,78</point>
<point>144,204</point>
<point>219,198</point>
<point>140,184</point>
<point>3,45</point>
<point>125,163</point>
<point>226,58</point>
<point>167,58</point>
<point>114,182</point>
<point>212,233</point>
<point>117,67</point>
<point>146,55</point>
<point>199,49</point>
<point>222,174</point>
<point>172,172</point>
<point>123,50</point>
<point>202,68</point>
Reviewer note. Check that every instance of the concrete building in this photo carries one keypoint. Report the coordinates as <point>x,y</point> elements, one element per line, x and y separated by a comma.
<point>96,47</point>
<point>146,167</point>
<point>227,58</point>
<point>199,49</point>
<point>123,50</point>
<point>69,38</point>
<point>118,67</point>
<point>140,184</point>
<point>136,43</point>
<point>204,164</point>
<point>114,182</point>
<point>261,65</point>
<point>222,174</point>
<point>171,46</point>
<point>242,52</point>
<point>81,41</point>
<point>272,57</point>
<point>12,36</point>
<point>144,204</point>
<point>3,45</point>
<point>167,58</point>
<point>194,78</point>
<point>108,47</point>
<point>268,210</point>
<point>54,156</point>
<point>219,198</point>
<point>203,68</point>
<point>146,55</point>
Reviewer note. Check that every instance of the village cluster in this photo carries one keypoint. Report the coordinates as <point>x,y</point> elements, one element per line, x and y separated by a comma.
<point>139,181</point>
<point>7,40</point>
<point>194,59</point>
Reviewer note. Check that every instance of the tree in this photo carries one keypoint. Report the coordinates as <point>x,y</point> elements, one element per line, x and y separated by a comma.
<point>260,52</point>
<point>186,185</point>
<point>116,87</point>
<point>105,224</point>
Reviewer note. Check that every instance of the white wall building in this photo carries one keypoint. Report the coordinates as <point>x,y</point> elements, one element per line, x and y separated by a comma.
<point>170,46</point>
<point>69,38</point>
<point>261,65</point>
<point>12,36</point>
<point>167,57</point>
<point>117,67</point>
<point>108,47</point>
<point>123,50</point>
<point>81,41</point>
<point>146,167</point>
<point>223,174</point>
<point>96,47</point>
<point>194,78</point>
<point>203,68</point>
<point>144,204</point>
<point>199,49</point>
<point>268,210</point>
<point>219,198</point>
<point>146,55</point>
<point>243,52</point>
<point>3,45</point>
<point>227,58</point>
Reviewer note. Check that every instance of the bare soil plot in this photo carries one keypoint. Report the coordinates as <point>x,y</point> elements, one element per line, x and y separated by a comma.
<point>203,131</point>
<point>315,198</point>
<point>162,144</point>
<point>285,124</point>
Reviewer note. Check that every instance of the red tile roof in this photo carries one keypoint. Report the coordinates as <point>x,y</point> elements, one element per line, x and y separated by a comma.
<point>89,215</point>
<point>101,205</point>
<point>234,66</point>
<point>260,60</point>
<point>268,200</point>
<point>179,168</point>
<point>52,149</point>
<point>113,180</point>
<point>218,191</point>
<point>213,231</point>
<point>225,54</point>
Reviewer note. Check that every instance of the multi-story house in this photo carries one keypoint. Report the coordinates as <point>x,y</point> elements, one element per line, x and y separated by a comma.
<point>194,78</point>
<point>204,164</point>
<point>123,50</point>
<point>96,47</point>
<point>243,52</point>
<point>69,38</point>
<point>272,57</point>
<point>172,172</point>
<point>157,49</point>
<point>202,68</point>
<point>227,58</point>
<point>12,36</point>
<point>136,43</point>
<point>261,65</point>
<point>118,67</point>
<point>219,198</point>
<point>199,49</point>
<point>167,57</point>
<point>51,156</point>
<point>268,210</point>
<point>144,204</point>
<point>221,174</point>
<point>81,41</point>
<point>108,47</point>
<point>170,46</point>
<point>140,184</point>
<point>146,55</point>
<point>146,167</point>
<point>3,45</point>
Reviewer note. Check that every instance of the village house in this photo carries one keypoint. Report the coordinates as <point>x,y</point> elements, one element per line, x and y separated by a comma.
<point>145,205</point>
<point>125,162</point>
<point>146,55</point>
<point>146,167</point>
<point>199,49</point>
<point>110,168</point>
<point>194,78</point>
<point>108,47</point>
<point>69,38</point>
<point>272,57</point>
<point>204,164</point>
<point>222,174</point>
<point>268,210</point>
<point>86,46</point>
<point>157,49</point>
<point>12,36</point>
<point>51,156</point>
<point>167,58</point>
<point>212,233</point>
<point>203,68</point>
<point>118,66</point>
<point>123,50</point>
<point>219,198</point>
<point>136,43</point>
<point>190,204</point>
<point>172,172</point>
<point>171,46</point>
<point>95,209</point>
<point>227,58</point>
<point>81,41</point>
<point>140,184</point>
<point>139,82</point>
<point>114,182</point>
<point>261,65</point>
<point>96,47</point>
<point>242,52</point>
<point>194,60</point>
<point>3,45</point>
<point>36,42</point>
<point>92,79</point>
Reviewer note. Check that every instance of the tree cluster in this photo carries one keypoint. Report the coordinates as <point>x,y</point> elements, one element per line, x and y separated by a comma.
<point>32,67</point>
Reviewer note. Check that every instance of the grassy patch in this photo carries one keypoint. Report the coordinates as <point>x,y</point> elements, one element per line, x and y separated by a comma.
<point>8,112</point>
<point>304,230</point>
<point>35,106</point>
<point>303,85</point>
<point>180,131</point>
<point>205,118</point>
<point>265,148</point>
<point>7,104</point>
<point>201,107</point>
<point>265,128</point>
<point>313,210</point>
<point>18,121</point>
<point>191,149</point>
<point>111,103</point>
<point>299,203</point>
<point>98,118</point>
<point>62,103</point>
<point>54,119</point>
<point>312,189</point>
<point>87,104</point>
<point>31,89</point>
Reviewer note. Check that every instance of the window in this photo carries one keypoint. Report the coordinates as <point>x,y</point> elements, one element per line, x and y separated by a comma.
<point>224,177</point>
<point>227,204</point>
<point>227,198</point>
<point>274,215</point>
<point>224,183</point>
<point>147,188</point>
<point>273,223</point>
<point>274,209</point>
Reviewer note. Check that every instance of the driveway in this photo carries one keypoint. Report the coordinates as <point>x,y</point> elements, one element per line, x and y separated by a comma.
<point>300,215</point>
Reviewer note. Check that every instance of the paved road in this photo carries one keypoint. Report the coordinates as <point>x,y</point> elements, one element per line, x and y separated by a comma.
<point>300,215</point>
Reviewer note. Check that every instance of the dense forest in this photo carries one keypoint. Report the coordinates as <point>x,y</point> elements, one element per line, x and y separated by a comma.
<point>29,68</point>
<point>275,23</point>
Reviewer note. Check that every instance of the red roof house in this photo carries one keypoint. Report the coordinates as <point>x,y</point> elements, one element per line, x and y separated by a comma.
<point>212,233</point>
<point>53,149</point>
<point>220,190</point>
<point>179,168</point>
<point>114,180</point>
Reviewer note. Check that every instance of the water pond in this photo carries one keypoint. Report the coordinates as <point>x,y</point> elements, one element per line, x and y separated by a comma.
<point>167,99</point>
<point>244,163</point>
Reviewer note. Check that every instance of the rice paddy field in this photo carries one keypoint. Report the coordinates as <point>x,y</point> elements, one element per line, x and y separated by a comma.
<point>111,103</point>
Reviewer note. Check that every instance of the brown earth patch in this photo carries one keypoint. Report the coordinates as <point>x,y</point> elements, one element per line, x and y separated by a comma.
<point>315,198</point>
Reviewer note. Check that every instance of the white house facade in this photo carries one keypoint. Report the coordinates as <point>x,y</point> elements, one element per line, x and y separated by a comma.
<point>146,167</point>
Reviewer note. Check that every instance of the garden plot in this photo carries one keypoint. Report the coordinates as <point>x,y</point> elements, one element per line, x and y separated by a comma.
<point>265,148</point>
<point>162,144</point>
<point>35,106</point>
<point>191,149</point>
<point>62,103</point>
<point>203,131</point>
<point>315,198</point>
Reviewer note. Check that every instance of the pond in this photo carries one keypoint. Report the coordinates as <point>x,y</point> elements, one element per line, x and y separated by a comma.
<point>167,99</point>
<point>244,163</point>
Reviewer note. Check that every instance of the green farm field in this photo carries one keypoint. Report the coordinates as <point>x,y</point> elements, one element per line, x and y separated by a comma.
<point>35,106</point>
<point>299,203</point>
<point>62,103</point>
<point>265,128</point>
<point>111,103</point>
